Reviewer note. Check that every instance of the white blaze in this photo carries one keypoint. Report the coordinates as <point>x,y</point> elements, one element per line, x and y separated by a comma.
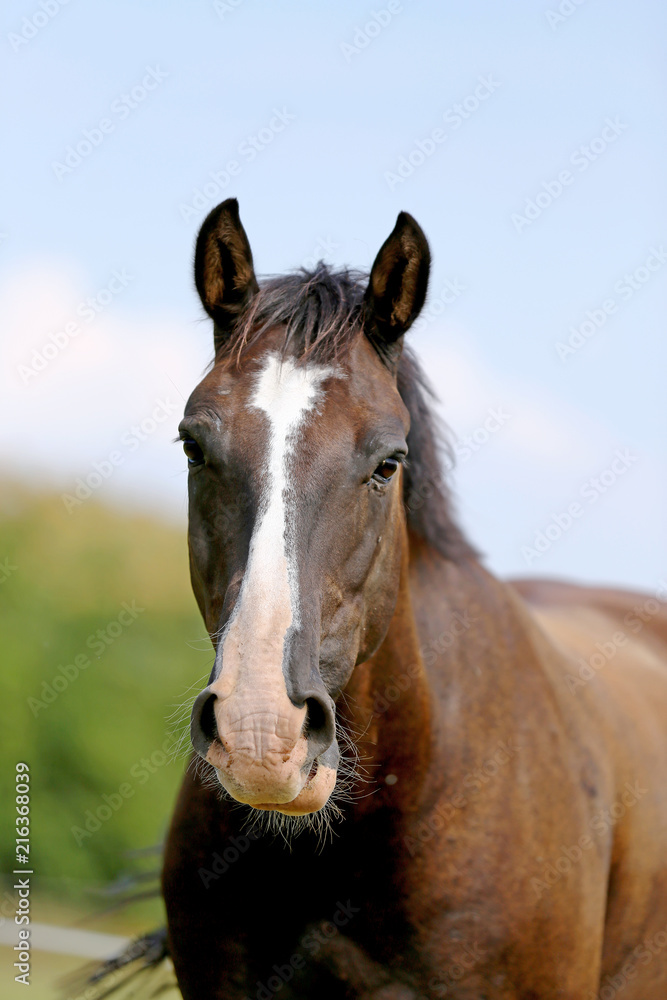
<point>268,604</point>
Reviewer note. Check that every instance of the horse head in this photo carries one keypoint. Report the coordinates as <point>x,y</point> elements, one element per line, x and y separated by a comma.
<point>295,441</point>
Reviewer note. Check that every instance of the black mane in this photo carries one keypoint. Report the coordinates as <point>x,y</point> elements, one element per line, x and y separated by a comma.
<point>322,312</point>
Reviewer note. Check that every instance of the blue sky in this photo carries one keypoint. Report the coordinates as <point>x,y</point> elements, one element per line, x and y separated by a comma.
<point>318,106</point>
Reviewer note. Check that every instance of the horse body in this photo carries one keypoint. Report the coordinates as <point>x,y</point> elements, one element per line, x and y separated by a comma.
<point>511,842</point>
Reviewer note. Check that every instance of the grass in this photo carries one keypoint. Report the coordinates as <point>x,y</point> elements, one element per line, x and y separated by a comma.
<point>90,684</point>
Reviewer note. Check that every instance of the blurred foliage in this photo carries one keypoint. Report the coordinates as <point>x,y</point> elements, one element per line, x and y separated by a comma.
<point>85,732</point>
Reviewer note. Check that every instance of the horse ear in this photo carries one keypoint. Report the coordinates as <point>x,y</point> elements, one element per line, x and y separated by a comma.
<point>398,282</point>
<point>224,273</point>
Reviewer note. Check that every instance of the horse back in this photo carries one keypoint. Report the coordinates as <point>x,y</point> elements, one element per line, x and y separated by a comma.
<point>634,612</point>
<point>614,654</point>
<point>615,668</point>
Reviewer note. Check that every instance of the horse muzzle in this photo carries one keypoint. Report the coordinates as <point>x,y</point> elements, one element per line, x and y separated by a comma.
<point>268,752</point>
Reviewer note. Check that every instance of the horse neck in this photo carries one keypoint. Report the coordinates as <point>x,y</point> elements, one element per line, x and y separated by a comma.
<point>443,683</point>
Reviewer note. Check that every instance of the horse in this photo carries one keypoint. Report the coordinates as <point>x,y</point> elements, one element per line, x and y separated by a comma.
<point>412,780</point>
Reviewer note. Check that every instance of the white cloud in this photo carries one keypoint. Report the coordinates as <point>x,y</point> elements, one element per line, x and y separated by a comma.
<point>95,387</point>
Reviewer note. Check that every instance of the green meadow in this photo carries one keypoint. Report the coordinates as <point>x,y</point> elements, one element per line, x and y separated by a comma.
<point>101,642</point>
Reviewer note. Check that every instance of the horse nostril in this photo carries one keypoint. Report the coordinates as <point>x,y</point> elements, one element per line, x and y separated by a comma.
<point>203,728</point>
<point>316,717</point>
<point>207,719</point>
<point>320,724</point>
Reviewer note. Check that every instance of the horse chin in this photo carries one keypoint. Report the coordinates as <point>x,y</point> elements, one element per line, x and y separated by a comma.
<point>313,796</point>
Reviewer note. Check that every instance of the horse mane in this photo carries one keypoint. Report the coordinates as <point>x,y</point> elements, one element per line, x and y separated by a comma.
<point>322,311</point>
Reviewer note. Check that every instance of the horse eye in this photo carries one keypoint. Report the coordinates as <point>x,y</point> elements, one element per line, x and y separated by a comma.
<point>386,470</point>
<point>194,453</point>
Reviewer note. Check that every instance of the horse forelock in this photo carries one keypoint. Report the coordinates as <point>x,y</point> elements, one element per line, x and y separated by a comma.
<point>322,313</point>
